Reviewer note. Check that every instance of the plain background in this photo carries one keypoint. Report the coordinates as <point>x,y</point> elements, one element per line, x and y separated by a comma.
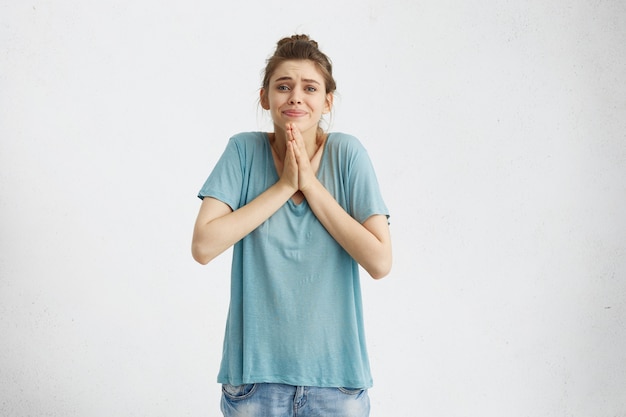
<point>498,132</point>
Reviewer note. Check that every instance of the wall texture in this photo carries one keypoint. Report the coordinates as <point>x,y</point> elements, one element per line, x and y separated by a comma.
<point>498,131</point>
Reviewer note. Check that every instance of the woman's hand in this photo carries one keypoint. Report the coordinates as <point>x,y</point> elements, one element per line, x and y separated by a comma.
<point>290,175</point>
<point>305,172</point>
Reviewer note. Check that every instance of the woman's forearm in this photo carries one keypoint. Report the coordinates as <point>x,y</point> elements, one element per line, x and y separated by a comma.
<point>368,243</point>
<point>218,227</point>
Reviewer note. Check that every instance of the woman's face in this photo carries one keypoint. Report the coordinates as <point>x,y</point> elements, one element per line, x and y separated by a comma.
<point>297,94</point>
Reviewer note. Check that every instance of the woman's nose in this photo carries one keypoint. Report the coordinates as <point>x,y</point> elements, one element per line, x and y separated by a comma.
<point>295,99</point>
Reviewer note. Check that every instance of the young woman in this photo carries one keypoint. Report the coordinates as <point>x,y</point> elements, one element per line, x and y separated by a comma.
<point>303,209</point>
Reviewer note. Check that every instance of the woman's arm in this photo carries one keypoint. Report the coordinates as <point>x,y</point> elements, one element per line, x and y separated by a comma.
<point>218,227</point>
<point>368,243</point>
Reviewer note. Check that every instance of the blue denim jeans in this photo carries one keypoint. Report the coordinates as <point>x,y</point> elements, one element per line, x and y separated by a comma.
<point>278,400</point>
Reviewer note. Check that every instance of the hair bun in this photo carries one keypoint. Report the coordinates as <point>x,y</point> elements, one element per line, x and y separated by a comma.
<point>296,38</point>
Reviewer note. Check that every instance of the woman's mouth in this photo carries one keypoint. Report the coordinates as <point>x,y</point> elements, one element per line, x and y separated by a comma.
<point>294,113</point>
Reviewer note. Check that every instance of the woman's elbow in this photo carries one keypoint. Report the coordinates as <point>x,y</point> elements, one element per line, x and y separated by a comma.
<point>381,263</point>
<point>379,273</point>
<point>380,269</point>
<point>200,255</point>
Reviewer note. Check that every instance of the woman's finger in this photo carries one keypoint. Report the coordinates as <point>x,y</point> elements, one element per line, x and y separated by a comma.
<point>290,166</point>
<point>298,143</point>
<point>296,135</point>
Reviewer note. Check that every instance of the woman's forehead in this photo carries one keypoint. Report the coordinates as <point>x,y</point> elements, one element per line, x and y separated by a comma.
<point>298,69</point>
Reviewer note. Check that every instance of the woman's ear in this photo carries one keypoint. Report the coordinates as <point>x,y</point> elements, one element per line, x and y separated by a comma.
<point>263,99</point>
<point>329,103</point>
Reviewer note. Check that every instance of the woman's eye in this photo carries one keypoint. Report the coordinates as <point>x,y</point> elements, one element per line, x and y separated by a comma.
<point>283,88</point>
<point>311,89</point>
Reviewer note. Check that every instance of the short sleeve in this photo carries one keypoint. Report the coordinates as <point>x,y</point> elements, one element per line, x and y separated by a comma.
<point>365,197</point>
<point>225,181</point>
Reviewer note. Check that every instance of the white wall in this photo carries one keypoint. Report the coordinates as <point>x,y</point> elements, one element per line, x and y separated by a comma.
<point>498,130</point>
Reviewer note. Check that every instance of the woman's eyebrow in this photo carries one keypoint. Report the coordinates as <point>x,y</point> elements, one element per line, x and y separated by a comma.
<point>288,78</point>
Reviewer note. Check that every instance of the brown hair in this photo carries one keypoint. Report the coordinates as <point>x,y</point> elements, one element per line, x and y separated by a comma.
<point>300,47</point>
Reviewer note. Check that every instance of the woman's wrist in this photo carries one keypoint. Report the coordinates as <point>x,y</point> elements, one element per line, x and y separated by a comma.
<point>311,187</point>
<point>284,188</point>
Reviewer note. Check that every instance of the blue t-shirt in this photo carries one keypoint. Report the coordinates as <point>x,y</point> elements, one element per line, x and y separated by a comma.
<point>295,314</point>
